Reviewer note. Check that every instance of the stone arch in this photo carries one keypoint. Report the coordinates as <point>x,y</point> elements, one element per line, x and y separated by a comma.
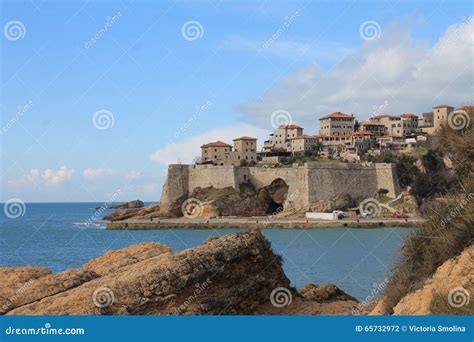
<point>277,192</point>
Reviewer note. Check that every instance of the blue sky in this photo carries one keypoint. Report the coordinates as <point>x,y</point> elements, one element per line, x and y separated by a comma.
<point>168,94</point>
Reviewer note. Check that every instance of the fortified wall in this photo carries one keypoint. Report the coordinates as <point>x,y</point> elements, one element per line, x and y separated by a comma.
<point>307,183</point>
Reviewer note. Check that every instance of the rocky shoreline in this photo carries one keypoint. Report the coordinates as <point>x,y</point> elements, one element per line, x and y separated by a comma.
<point>233,274</point>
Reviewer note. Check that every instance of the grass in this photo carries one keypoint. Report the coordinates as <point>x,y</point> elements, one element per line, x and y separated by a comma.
<point>449,228</point>
<point>441,306</point>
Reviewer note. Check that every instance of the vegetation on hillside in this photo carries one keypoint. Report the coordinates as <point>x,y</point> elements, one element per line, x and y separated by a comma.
<point>449,209</point>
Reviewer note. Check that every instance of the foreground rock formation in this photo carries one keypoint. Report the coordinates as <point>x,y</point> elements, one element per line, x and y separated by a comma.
<point>233,274</point>
<point>452,284</point>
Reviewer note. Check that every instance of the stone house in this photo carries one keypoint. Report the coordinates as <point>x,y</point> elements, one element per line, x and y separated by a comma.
<point>374,127</point>
<point>336,124</point>
<point>303,143</point>
<point>280,139</point>
<point>440,115</point>
<point>216,152</point>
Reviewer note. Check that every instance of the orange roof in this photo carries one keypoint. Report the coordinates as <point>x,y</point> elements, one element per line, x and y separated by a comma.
<point>290,126</point>
<point>408,115</point>
<point>468,108</point>
<point>442,106</point>
<point>337,115</point>
<point>216,144</point>
<point>381,116</point>
<point>245,138</point>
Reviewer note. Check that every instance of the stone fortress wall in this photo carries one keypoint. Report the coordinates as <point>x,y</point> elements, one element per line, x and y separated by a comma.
<point>307,183</point>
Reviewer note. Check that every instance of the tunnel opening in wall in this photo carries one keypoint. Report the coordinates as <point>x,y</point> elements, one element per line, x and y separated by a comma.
<point>277,192</point>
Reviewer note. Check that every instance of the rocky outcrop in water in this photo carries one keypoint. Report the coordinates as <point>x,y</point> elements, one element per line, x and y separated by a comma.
<point>233,274</point>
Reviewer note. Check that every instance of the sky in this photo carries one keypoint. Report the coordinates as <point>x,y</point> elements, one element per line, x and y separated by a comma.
<point>98,97</point>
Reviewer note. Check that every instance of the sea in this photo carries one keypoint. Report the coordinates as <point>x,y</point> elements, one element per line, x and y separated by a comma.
<point>67,235</point>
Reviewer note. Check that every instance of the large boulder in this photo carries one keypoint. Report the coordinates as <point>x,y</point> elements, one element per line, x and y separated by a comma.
<point>228,275</point>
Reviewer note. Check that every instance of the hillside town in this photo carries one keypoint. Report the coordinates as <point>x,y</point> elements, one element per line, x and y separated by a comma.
<point>341,136</point>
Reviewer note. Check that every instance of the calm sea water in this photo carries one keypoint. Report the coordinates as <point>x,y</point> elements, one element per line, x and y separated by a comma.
<point>56,235</point>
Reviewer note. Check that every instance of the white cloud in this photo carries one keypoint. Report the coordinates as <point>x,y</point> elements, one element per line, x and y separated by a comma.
<point>53,178</point>
<point>186,150</point>
<point>92,174</point>
<point>295,49</point>
<point>132,174</point>
<point>397,71</point>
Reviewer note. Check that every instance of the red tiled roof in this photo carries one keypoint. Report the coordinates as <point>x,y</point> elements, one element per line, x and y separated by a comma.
<point>408,115</point>
<point>442,106</point>
<point>245,138</point>
<point>216,144</point>
<point>337,115</point>
<point>468,108</point>
<point>290,126</point>
<point>381,116</point>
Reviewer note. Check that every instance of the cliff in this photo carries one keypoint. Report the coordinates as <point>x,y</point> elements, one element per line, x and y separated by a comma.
<point>233,274</point>
<point>447,292</point>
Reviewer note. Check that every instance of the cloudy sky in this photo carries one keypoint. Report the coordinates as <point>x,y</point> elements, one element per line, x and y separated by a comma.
<point>98,97</point>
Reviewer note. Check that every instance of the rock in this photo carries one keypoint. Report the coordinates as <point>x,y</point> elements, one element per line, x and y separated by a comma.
<point>379,309</point>
<point>233,274</point>
<point>129,205</point>
<point>228,275</point>
<point>147,212</point>
<point>325,293</point>
<point>453,275</point>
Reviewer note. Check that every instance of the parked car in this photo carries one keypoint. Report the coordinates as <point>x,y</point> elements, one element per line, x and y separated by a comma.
<point>365,214</point>
<point>339,214</point>
<point>398,215</point>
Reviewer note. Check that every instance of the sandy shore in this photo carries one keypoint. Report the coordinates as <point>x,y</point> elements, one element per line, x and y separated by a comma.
<point>260,222</point>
